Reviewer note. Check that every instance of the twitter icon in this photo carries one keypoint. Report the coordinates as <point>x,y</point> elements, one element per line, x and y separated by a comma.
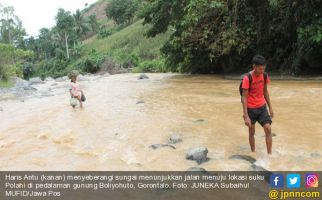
<point>293,181</point>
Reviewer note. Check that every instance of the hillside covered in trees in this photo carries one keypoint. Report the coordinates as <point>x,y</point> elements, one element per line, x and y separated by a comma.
<point>200,36</point>
<point>223,35</point>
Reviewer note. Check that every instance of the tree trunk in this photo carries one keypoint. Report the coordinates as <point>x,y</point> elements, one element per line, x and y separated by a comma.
<point>66,44</point>
<point>9,36</point>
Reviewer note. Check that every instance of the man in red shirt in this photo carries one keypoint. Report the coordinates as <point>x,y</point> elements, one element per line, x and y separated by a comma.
<point>255,99</point>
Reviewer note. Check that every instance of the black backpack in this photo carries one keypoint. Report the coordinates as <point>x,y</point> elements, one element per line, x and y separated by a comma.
<point>250,78</point>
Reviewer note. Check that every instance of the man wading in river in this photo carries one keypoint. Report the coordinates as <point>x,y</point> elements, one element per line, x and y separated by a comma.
<point>255,99</point>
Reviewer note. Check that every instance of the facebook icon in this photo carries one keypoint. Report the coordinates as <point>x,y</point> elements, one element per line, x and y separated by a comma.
<point>276,180</point>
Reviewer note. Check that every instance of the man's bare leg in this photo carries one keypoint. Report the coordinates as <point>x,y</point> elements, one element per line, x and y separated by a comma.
<point>252,137</point>
<point>268,136</point>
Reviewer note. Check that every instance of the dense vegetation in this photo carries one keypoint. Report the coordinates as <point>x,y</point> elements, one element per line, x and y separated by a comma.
<point>223,35</point>
<point>13,59</point>
<point>198,36</point>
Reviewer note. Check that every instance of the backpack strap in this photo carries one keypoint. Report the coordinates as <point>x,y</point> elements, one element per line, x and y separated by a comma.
<point>250,79</point>
<point>265,78</point>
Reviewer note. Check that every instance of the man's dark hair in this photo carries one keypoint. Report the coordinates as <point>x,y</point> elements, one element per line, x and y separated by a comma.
<point>259,60</point>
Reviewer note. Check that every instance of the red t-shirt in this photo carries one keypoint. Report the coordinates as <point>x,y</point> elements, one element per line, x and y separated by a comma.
<point>255,97</point>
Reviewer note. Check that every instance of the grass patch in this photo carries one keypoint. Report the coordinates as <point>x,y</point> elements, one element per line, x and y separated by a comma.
<point>130,40</point>
<point>130,47</point>
<point>5,84</point>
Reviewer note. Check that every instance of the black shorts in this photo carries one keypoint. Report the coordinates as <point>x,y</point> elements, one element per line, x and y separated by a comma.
<point>259,115</point>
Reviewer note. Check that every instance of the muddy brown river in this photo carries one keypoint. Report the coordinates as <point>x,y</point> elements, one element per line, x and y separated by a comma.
<point>123,116</point>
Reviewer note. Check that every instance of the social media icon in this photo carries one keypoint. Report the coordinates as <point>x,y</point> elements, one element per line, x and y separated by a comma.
<point>293,180</point>
<point>276,180</point>
<point>312,180</point>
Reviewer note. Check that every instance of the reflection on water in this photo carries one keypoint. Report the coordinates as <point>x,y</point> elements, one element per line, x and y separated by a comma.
<point>114,130</point>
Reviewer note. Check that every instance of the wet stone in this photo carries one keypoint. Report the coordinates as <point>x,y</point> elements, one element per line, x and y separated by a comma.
<point>140,102</point>
<point>175,138</point>
<point>243,157</point>
<point>143,76</point>
<point>157,146</point>
<point>198,154</point>
<point>35,80</point>
<point>196,169</point>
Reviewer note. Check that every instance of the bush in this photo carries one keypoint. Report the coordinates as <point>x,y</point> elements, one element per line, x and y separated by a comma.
<point>3,73</point>
<point>77,51</point>
<point>131,61</point>
<point>91,63</point>
<point>6,84</point>
<point>27,70</point>
<point>53,67</point>
<point>11,60</point>
<point>103,33</point>
<point>151,66</point>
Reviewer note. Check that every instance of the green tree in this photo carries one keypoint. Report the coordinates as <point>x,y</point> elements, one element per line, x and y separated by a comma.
<point>162,14</point>
<point>81,25</point>
<point>11,60</point>
<point>43,46</point>
<point>64,27</point>
<point>122,11</point>
<point>11,30</point>
<point>220,35</point>
<point>92,20</point>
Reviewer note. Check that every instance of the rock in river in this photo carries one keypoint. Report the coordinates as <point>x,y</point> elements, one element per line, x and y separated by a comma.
<point>243,157</point>
<point>175,138</point>
<point>156,146</point>
<point>143,76</point>
<point>35,80</point>
<point>199,154</point>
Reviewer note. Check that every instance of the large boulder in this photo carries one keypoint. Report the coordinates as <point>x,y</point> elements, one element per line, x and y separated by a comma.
<point>20,83</point>
<point>199,154</point>
<point>49,79</point>
<point>35,80</point>
<point>82,78</point>
<point>61,79</point>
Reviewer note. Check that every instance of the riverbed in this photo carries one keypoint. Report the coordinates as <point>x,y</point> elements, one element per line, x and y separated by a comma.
<point>123,116</point>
